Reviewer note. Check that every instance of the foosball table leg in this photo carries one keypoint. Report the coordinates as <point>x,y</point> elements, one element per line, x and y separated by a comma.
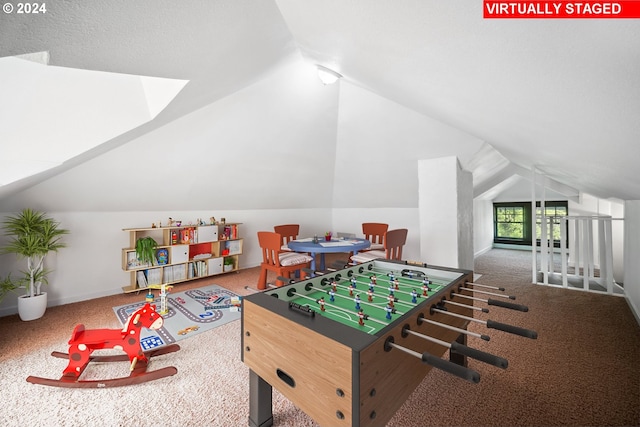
<point>457,358</point>
<point>260,401</point>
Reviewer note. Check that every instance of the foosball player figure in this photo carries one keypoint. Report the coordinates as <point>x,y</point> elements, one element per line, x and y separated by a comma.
<point>414,296</point>
<point>332,295</point>
<point>392,299</point>
<point>392,276</point>
<point>350,290</point>
<point>334,285</point>
<point>373,279</point>
<point>361,317</point>
<point>354,282</point>
<point>396,284</point>
<point>425,288</point>
<point>321,302</point>
<point>357,301</point>
<point>389,310</point>
<point>370,295</point>
<point>372,285</point>
<point>392,289</point>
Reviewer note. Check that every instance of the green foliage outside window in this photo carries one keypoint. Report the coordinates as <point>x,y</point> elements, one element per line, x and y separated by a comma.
<point>551,211</point>
<point>510,222</point>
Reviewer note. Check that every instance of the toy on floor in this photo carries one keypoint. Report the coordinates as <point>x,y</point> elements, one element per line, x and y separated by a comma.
<point>84,341</point>
<point>164,292</point>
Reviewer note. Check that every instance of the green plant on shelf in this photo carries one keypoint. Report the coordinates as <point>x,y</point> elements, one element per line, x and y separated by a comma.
<point>146,250</point>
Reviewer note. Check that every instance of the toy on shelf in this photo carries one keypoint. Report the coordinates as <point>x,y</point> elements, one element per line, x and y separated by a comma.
<point>84,341</point>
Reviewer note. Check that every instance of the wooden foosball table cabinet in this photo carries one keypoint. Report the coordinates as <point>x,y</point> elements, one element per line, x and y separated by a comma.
<point>349,346</point>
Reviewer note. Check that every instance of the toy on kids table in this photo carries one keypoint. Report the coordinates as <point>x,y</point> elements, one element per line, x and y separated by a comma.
<point>32,235</point>
<point>84,341</point>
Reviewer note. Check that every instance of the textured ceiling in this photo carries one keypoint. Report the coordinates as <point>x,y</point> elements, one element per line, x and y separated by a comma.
<point>561,95</point>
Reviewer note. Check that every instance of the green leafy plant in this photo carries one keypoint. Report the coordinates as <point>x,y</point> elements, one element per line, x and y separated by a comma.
<point>146,250</point>
<point>32,235</point>
<point>228,261</point>
<point>6,286</point>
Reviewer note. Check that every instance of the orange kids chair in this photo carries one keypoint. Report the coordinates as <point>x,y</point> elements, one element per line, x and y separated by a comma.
<point>279,261</point>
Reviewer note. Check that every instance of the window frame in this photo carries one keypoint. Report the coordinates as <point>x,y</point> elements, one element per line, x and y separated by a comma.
<point>528,218</point>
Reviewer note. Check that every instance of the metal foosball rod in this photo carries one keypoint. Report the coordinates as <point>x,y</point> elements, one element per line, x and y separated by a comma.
<point>490,323</point>
<point>497,303</point>
<point>421,319</point>
<point>380,285</point>
<point>309,287</point>
<point>445,365</point>
<point>344,310</point>
<point>365,303</point>
<point>462,288</point>
<point>471,307</point>
<point>487,286</point>
<point>455,346</point>
<point>361,302</point>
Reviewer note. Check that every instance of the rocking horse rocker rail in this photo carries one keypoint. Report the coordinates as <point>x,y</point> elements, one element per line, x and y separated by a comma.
<point>84,342</point>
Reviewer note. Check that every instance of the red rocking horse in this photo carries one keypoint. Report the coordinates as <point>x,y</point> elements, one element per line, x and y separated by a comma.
<point>83,342</point>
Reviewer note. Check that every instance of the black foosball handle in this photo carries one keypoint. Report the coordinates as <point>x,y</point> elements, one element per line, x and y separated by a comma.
<point>512,329</point>
<point>450,367</point>
<point>480,355</point>
<point>506,304</point>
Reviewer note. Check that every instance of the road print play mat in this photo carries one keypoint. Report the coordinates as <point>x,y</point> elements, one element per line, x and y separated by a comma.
<point>189,313</point>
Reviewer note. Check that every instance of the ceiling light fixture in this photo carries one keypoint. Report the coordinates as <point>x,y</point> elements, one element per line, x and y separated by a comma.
<point>328,76</point>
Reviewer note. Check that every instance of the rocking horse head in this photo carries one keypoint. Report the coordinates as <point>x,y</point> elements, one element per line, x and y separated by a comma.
<point>146,316</point>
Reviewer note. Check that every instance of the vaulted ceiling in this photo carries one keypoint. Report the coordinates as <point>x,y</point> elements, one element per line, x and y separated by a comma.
<point>562,96</point>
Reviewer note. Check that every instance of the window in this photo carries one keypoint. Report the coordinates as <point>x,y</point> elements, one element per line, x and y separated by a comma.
<point>512,221</point>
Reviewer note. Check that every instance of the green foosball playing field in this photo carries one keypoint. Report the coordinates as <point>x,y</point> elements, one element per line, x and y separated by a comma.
<point>368,301</point>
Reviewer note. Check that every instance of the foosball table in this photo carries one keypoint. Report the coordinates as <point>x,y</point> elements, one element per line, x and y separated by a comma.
<point>349,346</point>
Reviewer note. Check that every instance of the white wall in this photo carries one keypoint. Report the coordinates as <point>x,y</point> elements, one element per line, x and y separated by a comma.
<point>631,250</point>
<point>482,226</point>
<point>446,213</point>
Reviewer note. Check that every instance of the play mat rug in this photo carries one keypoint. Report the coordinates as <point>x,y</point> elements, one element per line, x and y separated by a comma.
<point>190,313</point>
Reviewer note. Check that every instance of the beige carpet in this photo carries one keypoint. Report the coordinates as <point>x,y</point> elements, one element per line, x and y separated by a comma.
<point>583,370</point>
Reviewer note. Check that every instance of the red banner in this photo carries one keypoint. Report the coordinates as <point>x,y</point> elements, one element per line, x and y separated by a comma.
<point>624,9</point>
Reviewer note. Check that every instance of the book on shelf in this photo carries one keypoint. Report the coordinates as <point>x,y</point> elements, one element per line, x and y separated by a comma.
<point>142,279</point>
<point>197,269</point>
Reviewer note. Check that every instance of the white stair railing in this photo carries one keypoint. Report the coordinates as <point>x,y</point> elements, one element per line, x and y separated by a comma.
<point>586,243</point>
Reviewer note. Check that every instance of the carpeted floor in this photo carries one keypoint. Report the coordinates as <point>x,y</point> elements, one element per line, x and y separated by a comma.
<point>583,370</point>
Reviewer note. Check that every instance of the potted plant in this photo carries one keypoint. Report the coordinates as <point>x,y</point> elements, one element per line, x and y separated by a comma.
<point>146,250</point>
<point>228,264</point>
<point>32,235</point>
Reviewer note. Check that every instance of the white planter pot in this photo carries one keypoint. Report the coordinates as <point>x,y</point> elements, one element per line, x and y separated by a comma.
<point>32,308</point>
<point>228,268</point>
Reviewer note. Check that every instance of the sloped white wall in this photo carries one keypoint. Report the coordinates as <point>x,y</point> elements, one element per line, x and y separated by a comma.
<point>64,107</point>
<point>379,143</point>
<point>270,145</point>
